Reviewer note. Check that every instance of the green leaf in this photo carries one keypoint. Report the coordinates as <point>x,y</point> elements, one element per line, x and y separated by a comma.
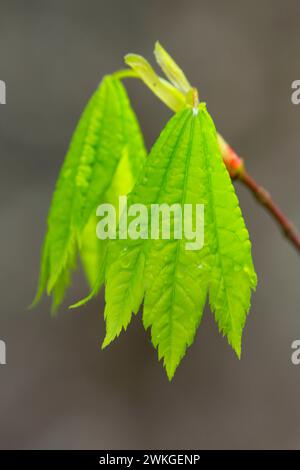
<point>93,172</point>
<point>164,90</point>
<point>171,69</point>
<point>184,167</point>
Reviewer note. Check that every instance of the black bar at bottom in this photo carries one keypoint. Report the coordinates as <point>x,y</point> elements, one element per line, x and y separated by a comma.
<point>132,458</point>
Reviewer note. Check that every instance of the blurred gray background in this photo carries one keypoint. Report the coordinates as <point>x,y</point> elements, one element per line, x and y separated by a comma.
<point>58,390</point>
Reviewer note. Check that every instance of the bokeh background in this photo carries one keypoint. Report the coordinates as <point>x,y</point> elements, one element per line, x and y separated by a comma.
<point>58,390</point>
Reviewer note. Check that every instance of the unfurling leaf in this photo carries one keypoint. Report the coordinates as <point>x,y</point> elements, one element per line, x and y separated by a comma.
<point>163,89</point>
<point>172,71</point>
<point>104,158</point>
<point>184,167</point>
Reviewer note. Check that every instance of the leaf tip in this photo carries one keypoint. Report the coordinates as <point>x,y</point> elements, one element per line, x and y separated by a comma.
<point>35,301</point>
<point>106,342</point>
<point>157,47</point>
<point>170,370</point>
<point>236,344</point>
<point>82,302</point>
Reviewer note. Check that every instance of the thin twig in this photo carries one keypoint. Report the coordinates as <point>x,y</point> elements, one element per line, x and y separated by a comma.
<point>265,199</point>
<point>236,168</point>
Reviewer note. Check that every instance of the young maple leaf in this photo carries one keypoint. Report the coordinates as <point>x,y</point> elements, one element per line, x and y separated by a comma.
<point>105,156</point>
<point>184,167</point>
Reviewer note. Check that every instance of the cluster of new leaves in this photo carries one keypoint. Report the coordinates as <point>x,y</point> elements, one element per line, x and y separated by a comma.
<point>107,159</point>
